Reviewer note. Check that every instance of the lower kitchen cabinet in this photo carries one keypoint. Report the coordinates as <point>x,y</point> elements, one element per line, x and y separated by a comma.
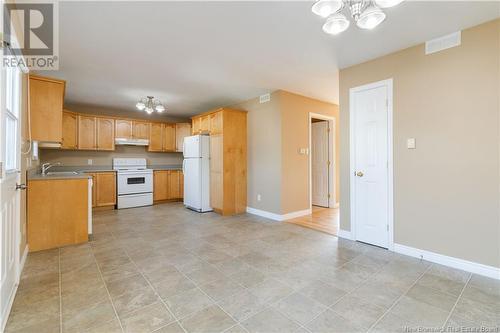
<point>167,185</point>
<point>57,213</point>
<point>103,189</point>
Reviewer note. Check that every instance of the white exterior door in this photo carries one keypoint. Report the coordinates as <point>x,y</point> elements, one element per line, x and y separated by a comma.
<point>10,139</point>
<point>370,149</point>
<point>320,163</point>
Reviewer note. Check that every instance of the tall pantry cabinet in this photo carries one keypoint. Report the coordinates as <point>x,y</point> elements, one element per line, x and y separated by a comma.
<point>228,158</point>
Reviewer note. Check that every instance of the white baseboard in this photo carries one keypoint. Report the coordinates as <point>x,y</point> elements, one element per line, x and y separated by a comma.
<point>465,265</point>
<point>277,217</point>
<point>345,234</point>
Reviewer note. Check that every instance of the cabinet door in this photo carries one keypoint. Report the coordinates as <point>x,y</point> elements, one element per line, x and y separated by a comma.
<point>155,137</point>
<point>216,123</point>
<point>181,131</point>
<point>69,130</point>
<point>160,185</point>
<point>105,134</point>
<point>106,189</point>
<point>205,124</point>
<point>123,128</point>
<point>46,107</point>
<point>87,132</point>
<point>216,171</point>
<point>196,125</point>
<point>169,137</point>
<point>174,184</point>
<point>140,130</point>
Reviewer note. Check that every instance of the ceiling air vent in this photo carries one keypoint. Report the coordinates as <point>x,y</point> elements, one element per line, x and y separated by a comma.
<point>443,43</point>
<point>264,98</point>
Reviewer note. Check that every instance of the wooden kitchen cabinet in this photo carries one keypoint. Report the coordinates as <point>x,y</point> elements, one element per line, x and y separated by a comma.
<point>140,130</point>
<point>155,137</point>
<point>103,189</point>
<point>205,124</point>
<point>87,133</point>
<point>123,128</point>
<point>105,134</point>
<point>228,161</point>
<point>167,185</point>
<point>195,125</point>
<point>69,130</point>
<point>106,189</point>
<point>46,98</point>
<point>169,137</point>
<point>181,131</point>
<point>160,185</point>
<point>57,213</point>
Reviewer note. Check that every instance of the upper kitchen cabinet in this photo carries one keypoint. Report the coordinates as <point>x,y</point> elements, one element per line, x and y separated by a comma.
<point>169,137</point>
<point>123,128</point>
<point>196,122</point>
<point>105,134</point>
<point>156,137</point>
<point>87,133</point>
<point>181,131</point>
<point>69,130</point>
<point>140,130</point>
<point>46,97</point>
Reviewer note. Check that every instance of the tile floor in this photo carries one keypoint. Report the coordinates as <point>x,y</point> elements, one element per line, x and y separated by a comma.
<point>167,269</point>
<point>322,219</point>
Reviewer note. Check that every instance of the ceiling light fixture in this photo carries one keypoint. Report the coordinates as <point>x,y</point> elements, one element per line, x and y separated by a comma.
<point>150,104</point>
<point>366,13</point>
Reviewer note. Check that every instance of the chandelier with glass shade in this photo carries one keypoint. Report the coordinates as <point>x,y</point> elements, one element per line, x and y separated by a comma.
<point>366,13</point>
<point>150,105</point>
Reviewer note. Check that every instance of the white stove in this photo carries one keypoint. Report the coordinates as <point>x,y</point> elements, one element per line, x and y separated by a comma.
<point>134,182</point>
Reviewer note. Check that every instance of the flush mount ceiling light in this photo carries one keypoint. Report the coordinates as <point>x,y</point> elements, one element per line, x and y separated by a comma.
<point>366,13</point>
<point>150,104</point>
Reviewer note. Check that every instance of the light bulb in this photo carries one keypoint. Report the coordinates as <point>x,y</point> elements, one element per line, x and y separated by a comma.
<point>140,105</point>
<point>335,24</point>
<point>160,108</point>
<point>387,3</point>
<point>325,8</point>
<point>371,17</point>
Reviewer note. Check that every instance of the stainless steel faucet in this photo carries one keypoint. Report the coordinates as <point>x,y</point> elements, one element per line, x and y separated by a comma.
<point>47,166</point>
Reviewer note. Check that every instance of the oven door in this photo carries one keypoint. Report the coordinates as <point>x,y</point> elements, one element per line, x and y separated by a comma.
<point>134,183</point>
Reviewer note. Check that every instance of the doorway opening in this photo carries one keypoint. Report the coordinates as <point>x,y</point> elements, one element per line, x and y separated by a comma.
<point>323,200</point>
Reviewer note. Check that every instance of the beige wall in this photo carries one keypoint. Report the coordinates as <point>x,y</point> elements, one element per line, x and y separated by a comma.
<point>105,158</point>
<point>295,111</point>
<point>446,192</point>
<point>264,160</point>
<point>276,130</point>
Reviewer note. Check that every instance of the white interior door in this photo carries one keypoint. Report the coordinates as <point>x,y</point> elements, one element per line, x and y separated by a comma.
<point>319,163</point>
<point>10,139</point>
<point>370,144</point>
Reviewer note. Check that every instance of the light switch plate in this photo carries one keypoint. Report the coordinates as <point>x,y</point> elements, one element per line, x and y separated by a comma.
<point>411,143</point>
<point>90,162</point>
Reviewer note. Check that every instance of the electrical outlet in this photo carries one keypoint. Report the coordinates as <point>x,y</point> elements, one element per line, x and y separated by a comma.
<point>90,162</point>
<point>259,197</point>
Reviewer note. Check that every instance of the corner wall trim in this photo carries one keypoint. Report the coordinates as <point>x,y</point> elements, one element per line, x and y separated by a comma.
<point>23,260</point>
<point>345,234</point>
<point>277,217</point>
<point>468,266</point>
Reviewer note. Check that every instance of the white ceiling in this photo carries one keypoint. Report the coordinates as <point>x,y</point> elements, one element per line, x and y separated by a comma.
<point>198,55</point>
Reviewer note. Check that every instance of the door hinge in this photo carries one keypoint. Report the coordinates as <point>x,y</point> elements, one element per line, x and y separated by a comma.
<point>387,227</point>
<point>328,195</point>
<point>328,162</point>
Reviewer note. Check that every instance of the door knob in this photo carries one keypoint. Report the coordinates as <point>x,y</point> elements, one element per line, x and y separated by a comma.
<point>359,174</point>
<point>21,186</point>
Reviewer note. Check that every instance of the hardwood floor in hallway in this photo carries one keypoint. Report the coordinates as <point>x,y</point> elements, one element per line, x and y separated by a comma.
<point>322,219</point>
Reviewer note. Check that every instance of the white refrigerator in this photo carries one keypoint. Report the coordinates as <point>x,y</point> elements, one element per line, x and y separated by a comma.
<point>196,168</point>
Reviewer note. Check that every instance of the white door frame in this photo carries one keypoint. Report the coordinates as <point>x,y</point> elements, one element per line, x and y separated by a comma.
<point>332,201</point>
<point>390,172</point>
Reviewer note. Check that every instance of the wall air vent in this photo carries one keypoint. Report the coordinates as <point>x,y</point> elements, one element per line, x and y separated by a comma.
<point>264,98</point>
<point>443,43</point>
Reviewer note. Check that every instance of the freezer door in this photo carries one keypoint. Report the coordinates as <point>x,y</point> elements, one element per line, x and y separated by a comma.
<point>192,183</point>
<point>192,146</point>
